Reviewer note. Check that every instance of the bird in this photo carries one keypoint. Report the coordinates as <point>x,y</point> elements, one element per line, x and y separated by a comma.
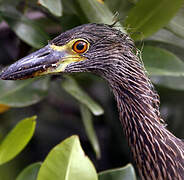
<point>104,50</point>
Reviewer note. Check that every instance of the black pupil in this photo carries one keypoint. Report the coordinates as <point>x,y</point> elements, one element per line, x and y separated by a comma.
<point>80,46</point>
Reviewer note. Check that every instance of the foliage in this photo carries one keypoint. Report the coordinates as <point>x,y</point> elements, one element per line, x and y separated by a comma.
<point>30,172</point>
<point>148,17</point>
<point>62,162</point>
<point>157,33</point>
<point>126,173</point>
<point>67,155</point>
<point>17,139</point>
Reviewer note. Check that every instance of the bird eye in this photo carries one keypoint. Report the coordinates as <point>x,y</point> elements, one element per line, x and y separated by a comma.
<point>80,46</point>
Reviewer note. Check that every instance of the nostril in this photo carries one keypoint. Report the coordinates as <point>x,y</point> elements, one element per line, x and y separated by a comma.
<point>44,54</point>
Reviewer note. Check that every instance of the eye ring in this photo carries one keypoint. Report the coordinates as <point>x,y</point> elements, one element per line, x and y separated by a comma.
<point>80,46</point>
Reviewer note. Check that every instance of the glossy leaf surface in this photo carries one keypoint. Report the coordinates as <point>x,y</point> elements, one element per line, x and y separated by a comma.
<point>176,25</point>
<point>25,29</point>
<point>171,82</point>
<point>166,36</point>
<point>23,93</point>
<point>147,17</point>
<point>17,139</point>
<point>122,7</point>
<point>124,173</point>
<point>98,12</point>
<point>90,131</point>
<point>53,6</point>
<point>71,86</point>
<point>30,172</point>
<point>161,62</point>
<point>67,161</point>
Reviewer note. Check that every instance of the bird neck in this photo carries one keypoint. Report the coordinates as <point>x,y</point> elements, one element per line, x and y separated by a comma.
<point>138,105</point>
<point>134,92</point>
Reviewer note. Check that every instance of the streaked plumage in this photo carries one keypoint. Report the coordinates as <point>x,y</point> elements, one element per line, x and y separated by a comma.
<point>158,153</point>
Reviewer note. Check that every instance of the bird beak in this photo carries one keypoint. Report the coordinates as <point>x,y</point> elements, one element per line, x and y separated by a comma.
<point>51,59</point>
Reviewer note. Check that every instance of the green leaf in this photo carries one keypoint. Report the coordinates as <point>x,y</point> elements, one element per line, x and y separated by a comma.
<point>147,17</point>
<point>67,161</point>
<point>30,172</point>
<point>25,29</point>
<point>176,83</point>
<point>176,49</point>
<point>23,93</point>
<point>124,173</point>
<point>165,36</point>
<point>176,25</point>
<point>98,12</point>
<point>88,124</point>
<point>71,86</point>
<point>162,62</point>
<point>165,68</point>
<point>122,7</point>
<point>17,139</point>
<point>53,6</point>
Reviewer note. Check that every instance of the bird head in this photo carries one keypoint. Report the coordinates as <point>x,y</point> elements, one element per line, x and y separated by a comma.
<point>86,48</point>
